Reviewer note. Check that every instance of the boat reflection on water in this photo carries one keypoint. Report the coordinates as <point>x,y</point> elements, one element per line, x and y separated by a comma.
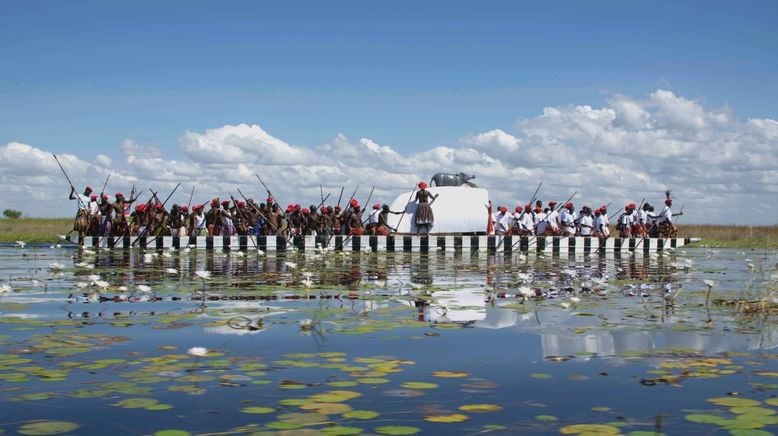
<point>578,305</point>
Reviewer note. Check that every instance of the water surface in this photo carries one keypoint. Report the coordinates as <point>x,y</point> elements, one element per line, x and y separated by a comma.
<point>335,343</point>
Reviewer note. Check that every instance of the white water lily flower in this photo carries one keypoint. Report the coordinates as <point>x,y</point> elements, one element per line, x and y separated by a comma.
<point>197,351</point>
<point>143,288</point>
<point>239,254</point>
<point>5,288</point>
<point>709,283</point>
<point>81,285</point>
<point>307,283</point>
<point>203,274</point>
<point>575,299</point>
<point>87,251</point>
<point>171,271</point>
<point>290,265</point>
<point>148,258</point>
<point>20,244</point>
<point>167,254</point>
<point>306,324</point>
<point>102,284</point>
<point>526,292</point>
<point>523,277</point>
<point>93,277</point>
<point>260,251</point>
<point>123,288</point>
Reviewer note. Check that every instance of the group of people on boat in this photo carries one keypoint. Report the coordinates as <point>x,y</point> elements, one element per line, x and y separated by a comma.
<point>99,216</point>
<point>563,220</point>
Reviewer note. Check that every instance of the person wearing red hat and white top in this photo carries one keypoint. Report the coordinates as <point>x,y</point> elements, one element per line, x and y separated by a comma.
<point>502,220</point>
<point>585,222</point>
<point>522,217</point>
<point>601,224</point>
<point>665,220</point>
<point>424,217</point>
<point>372,219</point>
<point>567,219</point>
<point>197,221</point>
<point>626,220</point>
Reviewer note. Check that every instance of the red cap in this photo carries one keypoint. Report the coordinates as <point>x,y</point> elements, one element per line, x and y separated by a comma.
<point>518,209</point>
<point>669,202</point>
<point>183,208</point>
<point>105,197</point>
<point>140,207</point>
<point>269,200</point>
<point>118,195</point>
<point>215,202</point>
<point>422,185</point>
<point>241,204</point>
<point>289,207</point>
<point>160,205</point>
<point>93,197</point>
<point>226,203</point>
<point>198,207</point>
<point>306,211</point>
<point>527,208</point>
<point>552,203</point>
<point>297,208</point>
<point>538,209</point>
<point>502,209</point>
<point>377,206</point>
<point>88,188</point>
<point>568,205</point>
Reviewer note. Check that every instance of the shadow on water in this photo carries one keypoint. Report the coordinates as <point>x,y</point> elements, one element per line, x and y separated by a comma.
<point>342,343</point>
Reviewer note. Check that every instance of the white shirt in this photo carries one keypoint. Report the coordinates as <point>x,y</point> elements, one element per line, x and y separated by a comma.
<point>93,207</point>
<point>540,223</point>
<point>83,201</point>
<point>553,219</point>
<point>601,223</point>
<point>586,222</point>
<point>567,219</point>
<point>373,217</point>
<point>666,215</point>
<point>502,222</point>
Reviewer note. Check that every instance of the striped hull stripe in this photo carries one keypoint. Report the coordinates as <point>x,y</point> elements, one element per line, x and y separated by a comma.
<point>554,245</point>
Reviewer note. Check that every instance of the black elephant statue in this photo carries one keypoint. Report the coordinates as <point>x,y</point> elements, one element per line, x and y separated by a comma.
<point>451,179</point>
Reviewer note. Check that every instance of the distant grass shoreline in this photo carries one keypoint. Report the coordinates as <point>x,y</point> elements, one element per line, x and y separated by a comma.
<point>734,236</point>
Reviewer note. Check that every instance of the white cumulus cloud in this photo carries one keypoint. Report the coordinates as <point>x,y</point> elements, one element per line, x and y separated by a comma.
<point>627,149</point>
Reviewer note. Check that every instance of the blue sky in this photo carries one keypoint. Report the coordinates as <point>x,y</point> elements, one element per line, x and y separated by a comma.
<point>83,77</point>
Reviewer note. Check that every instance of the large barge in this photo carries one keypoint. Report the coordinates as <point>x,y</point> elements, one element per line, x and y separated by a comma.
<point>393,243</point>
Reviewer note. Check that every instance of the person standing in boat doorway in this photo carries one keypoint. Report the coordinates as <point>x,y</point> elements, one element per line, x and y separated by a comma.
<point>424,217</point>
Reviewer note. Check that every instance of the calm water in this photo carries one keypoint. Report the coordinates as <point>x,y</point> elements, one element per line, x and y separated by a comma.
<point>98,343</point>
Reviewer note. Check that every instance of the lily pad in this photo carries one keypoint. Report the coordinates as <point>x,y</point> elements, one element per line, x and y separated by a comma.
<point>600,429</point>
<point>327,408</point>
<point>419,385</point>
<point>136,403</point>
<point>452,418</point>
<point>361,414</point>
<point>257,410</point>
<point>450,374</point>
<point>541,375</point>
<point>172,433</point>
<point>547,418</point>
<point>480,408</point>
<point>47,427</point>
<point>734,402</point>
<point>397,430</point>
<point>335,396</point>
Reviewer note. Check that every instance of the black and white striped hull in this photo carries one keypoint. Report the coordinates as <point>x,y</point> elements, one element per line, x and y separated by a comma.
<point>493,244</point>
